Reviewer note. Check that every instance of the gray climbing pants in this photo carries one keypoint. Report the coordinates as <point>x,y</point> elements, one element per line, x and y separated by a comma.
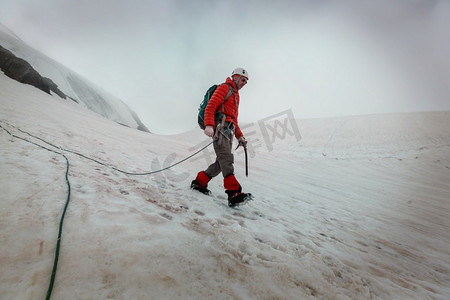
<point>224,158</point>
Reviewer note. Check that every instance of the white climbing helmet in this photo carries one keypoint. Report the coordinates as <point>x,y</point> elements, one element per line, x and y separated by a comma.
<point>240,71</point>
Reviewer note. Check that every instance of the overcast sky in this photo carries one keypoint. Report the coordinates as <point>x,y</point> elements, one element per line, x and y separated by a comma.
<point>319,58</point>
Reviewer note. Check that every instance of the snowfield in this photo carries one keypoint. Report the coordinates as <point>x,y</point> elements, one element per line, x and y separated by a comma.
<point>358,208</point>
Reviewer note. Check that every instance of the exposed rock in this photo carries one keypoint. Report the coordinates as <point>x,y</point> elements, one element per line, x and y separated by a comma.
<point>20,70</point>
<point>53,87</point>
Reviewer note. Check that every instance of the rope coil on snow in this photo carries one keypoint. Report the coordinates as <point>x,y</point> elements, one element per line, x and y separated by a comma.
<point>58,243</point>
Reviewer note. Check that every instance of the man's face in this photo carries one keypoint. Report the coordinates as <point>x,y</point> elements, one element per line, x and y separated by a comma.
<point>240,81</point>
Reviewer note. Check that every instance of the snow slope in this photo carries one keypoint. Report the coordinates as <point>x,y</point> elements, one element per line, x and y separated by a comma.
<point>71,83</point>
<point>357,209</point>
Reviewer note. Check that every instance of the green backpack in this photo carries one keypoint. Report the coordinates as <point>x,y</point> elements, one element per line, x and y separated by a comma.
<point>201,109</point>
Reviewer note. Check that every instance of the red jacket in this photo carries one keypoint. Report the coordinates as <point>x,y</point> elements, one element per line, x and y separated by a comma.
<point>230,106</point>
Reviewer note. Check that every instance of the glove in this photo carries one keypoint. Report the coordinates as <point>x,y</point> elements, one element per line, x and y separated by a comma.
<point>209,131</point>
<point>242,142</point>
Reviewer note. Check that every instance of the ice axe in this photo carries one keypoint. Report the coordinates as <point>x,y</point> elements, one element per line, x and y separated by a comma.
<point>246,159</point>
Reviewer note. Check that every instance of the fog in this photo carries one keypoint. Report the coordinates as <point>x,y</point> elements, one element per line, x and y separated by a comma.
<point>318,58</point>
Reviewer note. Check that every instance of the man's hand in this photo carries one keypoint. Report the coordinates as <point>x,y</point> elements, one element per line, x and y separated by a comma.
<point>242,142</point>
<point>209,131</point>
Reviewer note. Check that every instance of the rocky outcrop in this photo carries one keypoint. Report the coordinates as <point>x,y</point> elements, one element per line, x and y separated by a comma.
<point>54,87</point>
<point>20,70</point>
<point>25,68</point>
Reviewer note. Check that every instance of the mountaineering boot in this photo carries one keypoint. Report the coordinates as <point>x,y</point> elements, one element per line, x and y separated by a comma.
<point>196,186</point>
<point>234,191</point>
<point>200,183</point>
<point>238,199</point>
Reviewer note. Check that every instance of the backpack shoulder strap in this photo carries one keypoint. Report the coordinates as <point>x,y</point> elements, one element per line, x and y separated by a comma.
<point>230,91</point>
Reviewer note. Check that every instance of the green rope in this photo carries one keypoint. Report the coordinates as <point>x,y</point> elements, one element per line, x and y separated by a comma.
<point>58,243</point>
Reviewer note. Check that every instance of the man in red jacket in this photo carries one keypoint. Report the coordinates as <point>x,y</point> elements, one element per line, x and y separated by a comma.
<point>222,132</point>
